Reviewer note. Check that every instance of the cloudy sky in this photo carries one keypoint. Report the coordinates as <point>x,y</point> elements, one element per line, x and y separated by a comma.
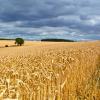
<point>36,19</point>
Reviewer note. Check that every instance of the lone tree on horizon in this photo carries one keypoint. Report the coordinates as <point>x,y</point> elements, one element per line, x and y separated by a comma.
<point>19,41</point>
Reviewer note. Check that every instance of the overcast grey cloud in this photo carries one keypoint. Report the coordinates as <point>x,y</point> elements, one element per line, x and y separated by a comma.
<point>36,19</point>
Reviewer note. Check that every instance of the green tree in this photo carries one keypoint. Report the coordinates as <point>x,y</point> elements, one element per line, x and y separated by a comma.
<point>19,41</point>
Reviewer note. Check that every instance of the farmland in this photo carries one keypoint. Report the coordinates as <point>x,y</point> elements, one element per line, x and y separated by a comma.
<point>50,71</point>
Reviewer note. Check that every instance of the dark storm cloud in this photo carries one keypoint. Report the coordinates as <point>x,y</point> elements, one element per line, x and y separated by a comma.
<point>67,16</point>
<point>33,9</point>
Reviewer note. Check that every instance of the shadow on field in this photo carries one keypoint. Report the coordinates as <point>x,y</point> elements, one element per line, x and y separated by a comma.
<point>7,46</point>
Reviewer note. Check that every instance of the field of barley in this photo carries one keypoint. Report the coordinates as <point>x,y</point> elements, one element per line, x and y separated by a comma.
<point>50,71</point>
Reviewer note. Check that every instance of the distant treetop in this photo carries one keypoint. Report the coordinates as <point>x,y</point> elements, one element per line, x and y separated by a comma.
<point>19,41</point>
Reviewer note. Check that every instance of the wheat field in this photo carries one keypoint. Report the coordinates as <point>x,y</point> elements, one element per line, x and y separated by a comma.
<point>50,71</point>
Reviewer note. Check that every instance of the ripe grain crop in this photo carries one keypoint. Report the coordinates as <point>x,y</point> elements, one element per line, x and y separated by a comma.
<point>50,71</point>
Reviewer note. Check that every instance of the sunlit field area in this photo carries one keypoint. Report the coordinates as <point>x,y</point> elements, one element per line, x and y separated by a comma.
<point>50,71</point>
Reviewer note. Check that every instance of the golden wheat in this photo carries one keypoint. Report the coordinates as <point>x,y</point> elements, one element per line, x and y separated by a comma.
<point>50,71</point>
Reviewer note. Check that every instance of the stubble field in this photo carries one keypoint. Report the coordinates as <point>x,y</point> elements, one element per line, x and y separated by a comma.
<point>50,71</point>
